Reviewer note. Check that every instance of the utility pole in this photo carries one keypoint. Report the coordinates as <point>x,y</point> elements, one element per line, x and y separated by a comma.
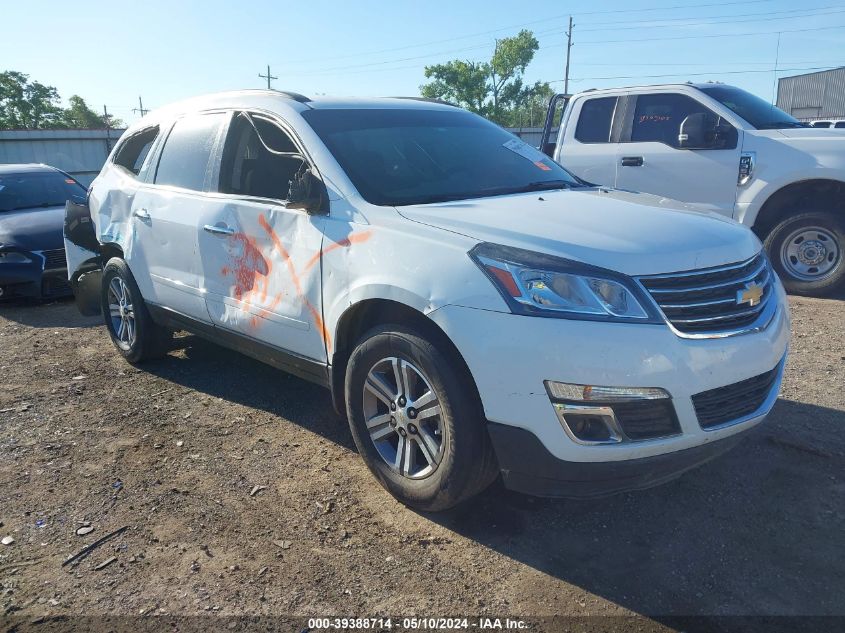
<point>268,76</point>
<point>108,127</point>
<point>140,107</point>
<point>568,47</point>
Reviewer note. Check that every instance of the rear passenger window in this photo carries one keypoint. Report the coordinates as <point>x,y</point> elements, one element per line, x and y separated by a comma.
<point>259,159</point>
<point>133,151</point>
<point>187,150</point>
<point>595,120</point>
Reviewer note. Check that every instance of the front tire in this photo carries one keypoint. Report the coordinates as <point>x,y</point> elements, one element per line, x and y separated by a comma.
<point>808,253</point>
<point>131,328</point>
<point>416,420</point>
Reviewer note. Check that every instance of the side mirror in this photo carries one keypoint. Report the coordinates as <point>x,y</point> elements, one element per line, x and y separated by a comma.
<point>704,130</point>
<point>308,192</point>
<point>697,131</point>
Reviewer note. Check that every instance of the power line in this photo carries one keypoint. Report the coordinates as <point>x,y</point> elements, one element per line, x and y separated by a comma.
<point>696,37</point>
<point>699,74</point>
<point>524,24</point>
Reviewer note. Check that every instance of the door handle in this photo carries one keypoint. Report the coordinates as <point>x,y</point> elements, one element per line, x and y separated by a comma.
<point>632,161</point>
<point>219,229</point>
<point>141,214</point>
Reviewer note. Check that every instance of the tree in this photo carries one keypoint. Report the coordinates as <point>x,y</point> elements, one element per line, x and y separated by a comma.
<point>79,115</point>
<point>27,104</point>
<point>493,89</point>
<point>30,105</point>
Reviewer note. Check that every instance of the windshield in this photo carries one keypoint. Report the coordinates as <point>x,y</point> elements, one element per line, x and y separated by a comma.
<point>758,112</point>
<point>36,190</point>
<point>404,156</point>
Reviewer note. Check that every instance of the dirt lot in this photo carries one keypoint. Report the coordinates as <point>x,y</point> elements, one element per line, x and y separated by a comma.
<point>175,450</point>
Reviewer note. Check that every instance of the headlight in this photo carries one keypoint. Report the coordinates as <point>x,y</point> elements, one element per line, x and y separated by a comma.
<point>13,257</point>
<point>543,285</point>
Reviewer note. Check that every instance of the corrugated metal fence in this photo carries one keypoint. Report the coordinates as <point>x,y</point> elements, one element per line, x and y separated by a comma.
<point>81,153</point>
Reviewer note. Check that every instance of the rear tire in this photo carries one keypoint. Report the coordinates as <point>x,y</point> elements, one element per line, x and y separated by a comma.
<point>808,253</point>
<point>432,457</point>
<point>131,328</point>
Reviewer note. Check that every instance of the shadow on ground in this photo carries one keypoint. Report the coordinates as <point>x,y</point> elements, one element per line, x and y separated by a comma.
<point>758,531</point>
<point>59,313</point>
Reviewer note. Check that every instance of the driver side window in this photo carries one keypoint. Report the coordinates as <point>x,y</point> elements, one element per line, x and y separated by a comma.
<point>658,117</point>
<point>259,159</point>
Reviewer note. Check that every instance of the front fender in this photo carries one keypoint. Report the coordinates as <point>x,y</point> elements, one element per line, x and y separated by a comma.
<point>84,258</point>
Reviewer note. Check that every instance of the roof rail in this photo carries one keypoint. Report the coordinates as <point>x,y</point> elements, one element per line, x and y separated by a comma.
<point>429,100</point>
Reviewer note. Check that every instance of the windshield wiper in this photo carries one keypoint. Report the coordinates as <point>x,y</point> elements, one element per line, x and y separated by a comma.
<point>777,125</point>
<point>542,185</point>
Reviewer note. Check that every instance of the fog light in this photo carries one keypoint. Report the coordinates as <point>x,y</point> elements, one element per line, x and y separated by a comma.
<point>593,393</point>
<point>588,424</point>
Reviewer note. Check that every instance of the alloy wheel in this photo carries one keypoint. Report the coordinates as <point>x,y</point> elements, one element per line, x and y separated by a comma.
<point>403,418</point>
<point>122,313</point>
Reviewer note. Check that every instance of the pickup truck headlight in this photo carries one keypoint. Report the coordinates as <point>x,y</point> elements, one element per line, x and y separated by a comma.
<point>543,285</point>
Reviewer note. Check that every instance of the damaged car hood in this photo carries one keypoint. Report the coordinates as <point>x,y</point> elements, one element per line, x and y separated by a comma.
<point>632,233</point>
<point>33,229</point>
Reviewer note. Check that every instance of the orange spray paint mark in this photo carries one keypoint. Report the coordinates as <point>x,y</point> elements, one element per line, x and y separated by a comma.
<point>344,243</point>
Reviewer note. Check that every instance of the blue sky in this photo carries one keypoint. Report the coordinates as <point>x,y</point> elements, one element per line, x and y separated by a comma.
<point>109,52</point>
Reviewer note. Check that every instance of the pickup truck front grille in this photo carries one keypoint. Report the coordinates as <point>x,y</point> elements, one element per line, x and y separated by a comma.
<point>725,405</point>
<point>714,300</point>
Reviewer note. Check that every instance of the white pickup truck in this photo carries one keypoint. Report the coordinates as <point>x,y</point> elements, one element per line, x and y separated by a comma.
<point>723,149</point>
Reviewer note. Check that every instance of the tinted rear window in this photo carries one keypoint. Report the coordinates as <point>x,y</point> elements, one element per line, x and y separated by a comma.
<point>595,120</point>
<point>36,190</point>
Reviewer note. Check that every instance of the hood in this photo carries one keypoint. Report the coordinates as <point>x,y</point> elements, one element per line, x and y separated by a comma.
<point>814,133</point>
<point>33,229</point>
<point>631,233</point>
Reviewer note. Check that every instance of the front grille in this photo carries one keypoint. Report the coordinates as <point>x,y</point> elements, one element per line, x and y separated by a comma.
<point>55,287</point>
<point>706,301</point>
<point>646,419</point>
<point>731,403</point>
<point>54,259</point>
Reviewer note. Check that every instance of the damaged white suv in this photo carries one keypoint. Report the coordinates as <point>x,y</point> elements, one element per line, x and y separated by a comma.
<point>473,307</point>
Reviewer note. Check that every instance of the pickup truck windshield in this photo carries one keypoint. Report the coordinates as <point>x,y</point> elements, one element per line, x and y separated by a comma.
<point>400,156</point>
<point>758,112</point>
<point>37,190</point>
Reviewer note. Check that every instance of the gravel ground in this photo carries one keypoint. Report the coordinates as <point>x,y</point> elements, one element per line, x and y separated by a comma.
<point>242,494</point>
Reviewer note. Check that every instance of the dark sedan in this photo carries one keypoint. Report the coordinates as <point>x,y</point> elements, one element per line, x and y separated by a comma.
<point>32,210</point>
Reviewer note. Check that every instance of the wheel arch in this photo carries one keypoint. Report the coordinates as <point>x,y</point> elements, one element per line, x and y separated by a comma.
<point>366,314</point>
<point>811,194</point>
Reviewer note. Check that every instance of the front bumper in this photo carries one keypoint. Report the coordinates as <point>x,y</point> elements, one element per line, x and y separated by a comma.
<point>529,468</point>
<point>510,356</point>
<point>32,281</point>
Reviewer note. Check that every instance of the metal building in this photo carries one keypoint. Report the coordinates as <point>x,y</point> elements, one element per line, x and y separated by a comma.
<point>81,153</point>
<point>813,96</point>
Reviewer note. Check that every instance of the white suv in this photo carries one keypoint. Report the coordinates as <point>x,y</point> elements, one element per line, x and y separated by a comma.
<point>473,307</point>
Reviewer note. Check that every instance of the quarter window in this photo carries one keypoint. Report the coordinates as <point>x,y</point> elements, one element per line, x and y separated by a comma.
<point>189,146</point>
<point>595,120</point>
<point>134,150</point>
<point>658,117</point>
<point>259,159</point>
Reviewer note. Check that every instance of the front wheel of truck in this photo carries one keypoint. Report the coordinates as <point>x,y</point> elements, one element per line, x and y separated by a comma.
<point>416,420</point>
<point>807,251</point>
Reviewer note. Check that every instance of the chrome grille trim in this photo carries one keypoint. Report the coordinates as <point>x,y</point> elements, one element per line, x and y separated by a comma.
<point>703,303</point>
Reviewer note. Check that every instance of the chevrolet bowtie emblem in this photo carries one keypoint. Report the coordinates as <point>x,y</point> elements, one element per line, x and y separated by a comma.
<point>751,294</point>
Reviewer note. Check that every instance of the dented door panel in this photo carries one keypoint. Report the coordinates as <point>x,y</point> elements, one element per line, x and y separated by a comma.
<point>260,264</point>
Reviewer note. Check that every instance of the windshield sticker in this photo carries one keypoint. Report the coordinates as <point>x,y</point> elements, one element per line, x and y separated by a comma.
<point>529,153</point>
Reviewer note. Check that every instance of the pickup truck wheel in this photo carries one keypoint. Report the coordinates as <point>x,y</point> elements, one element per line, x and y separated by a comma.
<point>416,421</point>
<point>135,335</point>
<point>808,253</point>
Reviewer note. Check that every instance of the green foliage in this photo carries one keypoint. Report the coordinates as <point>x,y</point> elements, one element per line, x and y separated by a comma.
<point>493,89</point>
<point>30,105</point>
